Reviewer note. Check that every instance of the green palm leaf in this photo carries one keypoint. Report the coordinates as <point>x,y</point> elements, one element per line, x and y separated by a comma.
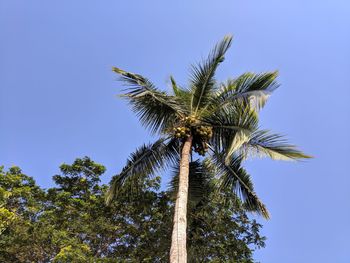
<point>265,144</point>
<point>156,110</point>
<point>234,177</point>
<point>144,162</point>
<point>182,94</point>
<point>232,126</point>
<point>202,76</point>
<point>253,88</point>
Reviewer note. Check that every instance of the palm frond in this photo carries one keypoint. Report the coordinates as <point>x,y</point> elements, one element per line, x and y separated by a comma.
<point>235,178</point>
<point>144,162</point>
<point>202,75</point>
<point>265,144</point>
<point>232,126</point>
<point>155,109</point>
<point>182,94</point>
<point>199,181</point>
<point>255,89</point>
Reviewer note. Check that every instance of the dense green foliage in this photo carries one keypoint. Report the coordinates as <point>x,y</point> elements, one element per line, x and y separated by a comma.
<point>71,223</point>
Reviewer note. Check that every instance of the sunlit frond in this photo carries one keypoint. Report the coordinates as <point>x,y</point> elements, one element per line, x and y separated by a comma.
<point>202,75</point>
<point>233,177</point>
<point>253,88</point>
<point>144,162</point>
<point>265,144</point>
<point>156,110</point>
<point>232,126</point>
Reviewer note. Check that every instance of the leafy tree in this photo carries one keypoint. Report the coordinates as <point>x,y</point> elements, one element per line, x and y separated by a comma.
<point>71,223</point>
<point>218,121</point>
<point>110,234</point>
<point>21,201</point>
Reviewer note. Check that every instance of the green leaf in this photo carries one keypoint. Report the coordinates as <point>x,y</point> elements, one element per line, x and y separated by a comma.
<point>202,76</point>
<point>265,144</point>
<point>155,109</point>
<point>234,177</point>
<point>182,94</point>
<point>253,88</point>
<point>232,126</point>
<point>144,162</point>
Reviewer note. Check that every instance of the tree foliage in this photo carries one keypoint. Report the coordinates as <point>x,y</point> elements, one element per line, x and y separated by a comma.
<point>71,223</point>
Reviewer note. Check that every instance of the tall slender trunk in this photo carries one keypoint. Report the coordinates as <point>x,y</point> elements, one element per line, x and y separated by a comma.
<point>178,252</point>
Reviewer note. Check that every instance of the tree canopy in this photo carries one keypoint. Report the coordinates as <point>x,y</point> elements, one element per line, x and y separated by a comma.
<point>71,223</point>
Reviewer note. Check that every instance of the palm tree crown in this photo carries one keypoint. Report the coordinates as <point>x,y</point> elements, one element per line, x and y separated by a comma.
<point>220,118</point>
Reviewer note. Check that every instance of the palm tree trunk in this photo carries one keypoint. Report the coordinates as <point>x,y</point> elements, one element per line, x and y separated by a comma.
<point>178,252</point>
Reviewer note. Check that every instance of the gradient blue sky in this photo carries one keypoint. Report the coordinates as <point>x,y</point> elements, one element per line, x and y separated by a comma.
<point>57,95</point>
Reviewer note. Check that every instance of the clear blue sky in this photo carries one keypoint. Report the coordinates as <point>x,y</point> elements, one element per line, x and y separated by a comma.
<point>57,95</point>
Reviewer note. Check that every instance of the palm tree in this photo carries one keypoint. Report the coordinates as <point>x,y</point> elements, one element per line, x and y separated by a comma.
<point>218,121</point>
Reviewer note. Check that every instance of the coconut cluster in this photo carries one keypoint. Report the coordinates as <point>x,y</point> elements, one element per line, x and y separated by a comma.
<point>201,134</point>
<point>182,132</point>
<point>189,120</point>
